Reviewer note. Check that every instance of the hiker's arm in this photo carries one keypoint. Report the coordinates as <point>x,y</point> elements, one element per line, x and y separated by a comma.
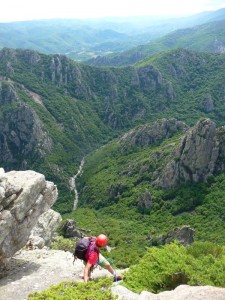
<point>87,271</point>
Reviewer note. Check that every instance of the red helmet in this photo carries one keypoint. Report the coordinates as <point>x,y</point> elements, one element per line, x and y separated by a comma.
<point>101,240</point>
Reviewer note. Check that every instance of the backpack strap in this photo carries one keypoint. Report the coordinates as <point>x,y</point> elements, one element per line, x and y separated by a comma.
<point>93,247</point>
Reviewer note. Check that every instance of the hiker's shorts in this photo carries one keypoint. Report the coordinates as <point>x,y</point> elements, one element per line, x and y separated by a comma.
<point>103,262</point>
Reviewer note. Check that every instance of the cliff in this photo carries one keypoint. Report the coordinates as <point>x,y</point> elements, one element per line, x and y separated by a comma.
<point>196,158</point>
<point>24,197</point>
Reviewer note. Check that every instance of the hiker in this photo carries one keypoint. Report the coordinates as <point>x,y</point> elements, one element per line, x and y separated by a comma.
<point>92,256</point>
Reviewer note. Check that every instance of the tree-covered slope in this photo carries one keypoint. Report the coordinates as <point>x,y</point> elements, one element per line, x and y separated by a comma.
<point>208,37</point>
<point>121,196</point>
<point>72,108</point>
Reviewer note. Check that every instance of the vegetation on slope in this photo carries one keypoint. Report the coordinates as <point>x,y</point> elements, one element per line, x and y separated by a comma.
<point>159,270</point>
<point>117,197</point>
<point>84,39</point>
<point>208,37</point>
<point>93,290</point>
<point>85,107</point>
<point>167,267</point>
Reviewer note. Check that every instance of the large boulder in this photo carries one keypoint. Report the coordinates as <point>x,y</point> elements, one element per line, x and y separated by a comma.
<point>24,196</point>
<point>43,232</point>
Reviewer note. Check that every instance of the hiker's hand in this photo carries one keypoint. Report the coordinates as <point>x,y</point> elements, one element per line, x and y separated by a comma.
<point>74,258</point>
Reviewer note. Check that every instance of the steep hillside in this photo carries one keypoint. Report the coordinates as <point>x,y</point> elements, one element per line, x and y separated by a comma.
<point>123,186</point>
<point>204,38</point>
<point>55,111</point>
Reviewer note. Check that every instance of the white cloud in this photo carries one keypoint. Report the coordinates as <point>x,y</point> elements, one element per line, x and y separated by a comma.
<point>42,9</point>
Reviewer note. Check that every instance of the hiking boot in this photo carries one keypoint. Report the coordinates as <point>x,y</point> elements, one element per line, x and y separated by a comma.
<point>117,277</point>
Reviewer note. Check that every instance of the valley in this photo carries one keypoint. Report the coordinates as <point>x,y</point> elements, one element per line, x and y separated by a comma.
<point>134,140</point>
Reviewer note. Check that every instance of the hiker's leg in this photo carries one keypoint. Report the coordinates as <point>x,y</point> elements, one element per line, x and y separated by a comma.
<point>103,262</point>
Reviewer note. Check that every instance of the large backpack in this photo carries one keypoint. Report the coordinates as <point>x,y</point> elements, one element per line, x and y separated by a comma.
<point>82,247</point>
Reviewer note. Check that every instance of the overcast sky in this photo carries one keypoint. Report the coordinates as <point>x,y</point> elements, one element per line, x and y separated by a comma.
<point>17,10</point>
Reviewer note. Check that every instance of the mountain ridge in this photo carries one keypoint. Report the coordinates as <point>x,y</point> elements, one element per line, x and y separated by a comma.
<point>208,37</point>
<point>81,107</point>
<point>83,39</point>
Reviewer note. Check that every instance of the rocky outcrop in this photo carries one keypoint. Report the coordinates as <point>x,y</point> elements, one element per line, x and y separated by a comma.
<point>180,293</point>
<point>208,104</point>
<point>145,200</point>
<point>7,93</point>
<point>219,46</point>
<point>195,158</point>
<point>150,77</point>
<point>24,196</point>
<point>153,133</point>
<point>21,131</point>
<point>69,229</point>
<point>43,232</point>
<point>183,234</point>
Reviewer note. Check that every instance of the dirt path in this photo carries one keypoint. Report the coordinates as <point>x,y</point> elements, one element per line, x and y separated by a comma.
<point>36,270</point>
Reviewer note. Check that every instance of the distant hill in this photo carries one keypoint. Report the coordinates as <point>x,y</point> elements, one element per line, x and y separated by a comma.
<point>85,39</point>
<point>209,37</point>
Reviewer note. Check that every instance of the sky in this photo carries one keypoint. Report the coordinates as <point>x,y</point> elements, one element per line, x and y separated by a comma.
<point>20,10</point>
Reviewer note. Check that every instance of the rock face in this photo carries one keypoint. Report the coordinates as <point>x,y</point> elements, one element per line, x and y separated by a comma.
<point>69,229</point>
<point>195,158</point>
<point>183,234</point>
<point>153,133</point>
<point>180,293</point>
<point>43,232</point>
<point>24,196</point>
<point>21,131</point>
<point>208,104</point>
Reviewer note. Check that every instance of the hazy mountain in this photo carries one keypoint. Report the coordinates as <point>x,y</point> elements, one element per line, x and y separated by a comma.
<point>83,39</point>
<point>208,37</point>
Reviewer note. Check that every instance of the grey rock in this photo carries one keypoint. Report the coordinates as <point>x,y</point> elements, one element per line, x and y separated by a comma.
<point>195,157</point>
<point>46,226</point>
<point>183,234</point>
<point>208,104</point>
<point>2,194</point>
<point>21,133</point>
<point>219,46</point>
<point>182,292</point>
<point>153,133</point>
<point>150,77</point>
<point>145,200</point>
<point>69,229</point>
<point>169,91</point>
<point>33,196</point>
<point>123,293</point>
<point>7,93</point>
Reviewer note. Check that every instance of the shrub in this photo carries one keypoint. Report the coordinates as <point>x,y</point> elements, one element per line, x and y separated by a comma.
<point>166,267</point>
<point>93,290</point>
<point>63,244</point>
